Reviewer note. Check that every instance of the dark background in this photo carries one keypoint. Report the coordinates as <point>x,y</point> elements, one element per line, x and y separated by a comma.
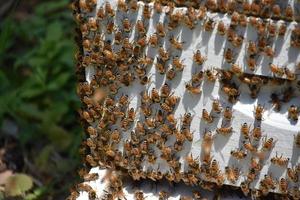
<point>39,128</point>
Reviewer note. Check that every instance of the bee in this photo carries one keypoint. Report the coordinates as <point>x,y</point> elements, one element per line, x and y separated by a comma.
<point>153,40</point>
<point>256,133</point>
<point>227,113</point>
<point>230,90</point>
<point>245,188</point>
<point>230,34</point>
<point>157,6</point>
<point>160,29</point>
<point>193,89</point>
<point>188,134</point>
<point>269,51</point>
<point>211,76</point>
<point>289,13</point>
<point>211,5</point>
<point>197,78</point>
<point>139,195</point>
<point>282,29</point>
<point>224,130</point>
<point>175,43</point>
<point>267,183</point>
<point>187,119</point>
<point>214,167</point>
<point>145,97</point>
<point>87,188</point>
<point>272,29</point>
<point>206,116</point>
<point>222,6</point>
<point>175,18</point>
<point>133,4</point>
<point>297,139</point>
<point>249,146</point>
<point>252,49</point>
<point>110,27</point>
<point>231,7</point>
<point>258,112</point>
<point>209,25</point>
<point>155,95</point>
<point>109,10</point>
<point>121,5</point>
<point>170,8</point>
<point>228,55</point>
<point>160,66</point>
<point>198,58</point>
<point>283,186</point>
<point>238,154</point>
<point>207,142</point>
<point>189,22</point>
<point>295,192</point>
<point>118,37</point>
<point>166,107</point>
<point>289,74</point>
<point>165,91</point>
<point>221,28</point>
<point>276,102</point>
<point>197,195</point>
<point>276,70</point>
<point>140,27</point>
<point>236,69</point>
<point>93,133</point>
<point>202,12</point>
<point>280,161</point>
<point>238,41</point>
<point>147,11</point>
<point>163,195</point>
<point>268,144</point>
<point>171,119</point>
<point>243,20</point>
<point>232,174</point>
<point>178,64</point>
<point>171,73</point>
<point>146,110</point>
<point>235,18</point>
<point>293,113</point>
<point>216,106</point>
<point>164,55</point>
<point>292,175</point>
<point>251,63</point>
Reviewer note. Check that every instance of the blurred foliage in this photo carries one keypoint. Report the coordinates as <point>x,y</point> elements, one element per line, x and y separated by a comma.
<point>37,87</point>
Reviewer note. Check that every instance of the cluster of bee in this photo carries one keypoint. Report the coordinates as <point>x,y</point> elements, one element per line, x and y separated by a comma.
<point>119,63</point>
<point>257,8</point>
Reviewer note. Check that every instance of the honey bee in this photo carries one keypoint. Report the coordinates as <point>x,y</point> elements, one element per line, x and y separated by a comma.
<point>267,183</point>
<point>243,20</point>
<point>202,12</point>
<point>268,144</point>
<point>87,188</point>
<point>272,29</point>
<point>245,188</point>
<point>232,174</point>
<point>160,29</point>
<point>145,97</point>
<point>193,89</point>
<point>121,5</point>
<point>224,130</point>
<point>157,6</point>
<point>211,5</point>
<point>230,90</point>
<point>245,130</point>
<point>249,146</point>
<point>283,186</point>
<point>93,133</point>
<point>289,13</point>
<point>160,66</point>
<point>295,192</point>
<point>153,40</point>
<point>227,113</point>
<point>197,195</point>
<point>163,195</point>
<point>236,69</point>
<point>91,177</point>
<point>140,27</point>
<point>188,134</point>
<point>155,95</point>
<point>292,175</point>
<point>147,11</point>
<point>258,112</point>
<point>276,70</point>
<point>297,139</point>
<point>280,161</point>
<point>189,22</point>
<point>214,167</point>
<point>109,10</point>
<point>293,113</point>
<point>171,73</point>
<point>210,74</point>
<point>235,18</point>
<point>198,58</point>
<point>139,195</point>
<point>187,119</point>
<point>269,51</point>
<point>287,94</point>
<point>164,55</point>
<point>133,4</point>
<point>228,55</point>
<point>238,154</point>
<point>197,78</point>
<point>171,119</point>
<point>216,106</point>
<point>282,29</point>
<point>207,142</point>
<point>251,63</point>
<point>175,43</point>
<point>178,64</point>
<point>252,49</point>
<point>209,25</point>
<point>206,116</point>
<point>256,133</point>
<point>221,28</point>
<point>289,74</point>
<point>165,91</point>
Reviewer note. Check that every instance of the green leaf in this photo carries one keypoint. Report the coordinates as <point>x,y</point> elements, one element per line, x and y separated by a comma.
<point>42,158</point>
<point>18,184</point>
<point>59,81</point>
<point>54,31</point>
<point>47,7</point>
